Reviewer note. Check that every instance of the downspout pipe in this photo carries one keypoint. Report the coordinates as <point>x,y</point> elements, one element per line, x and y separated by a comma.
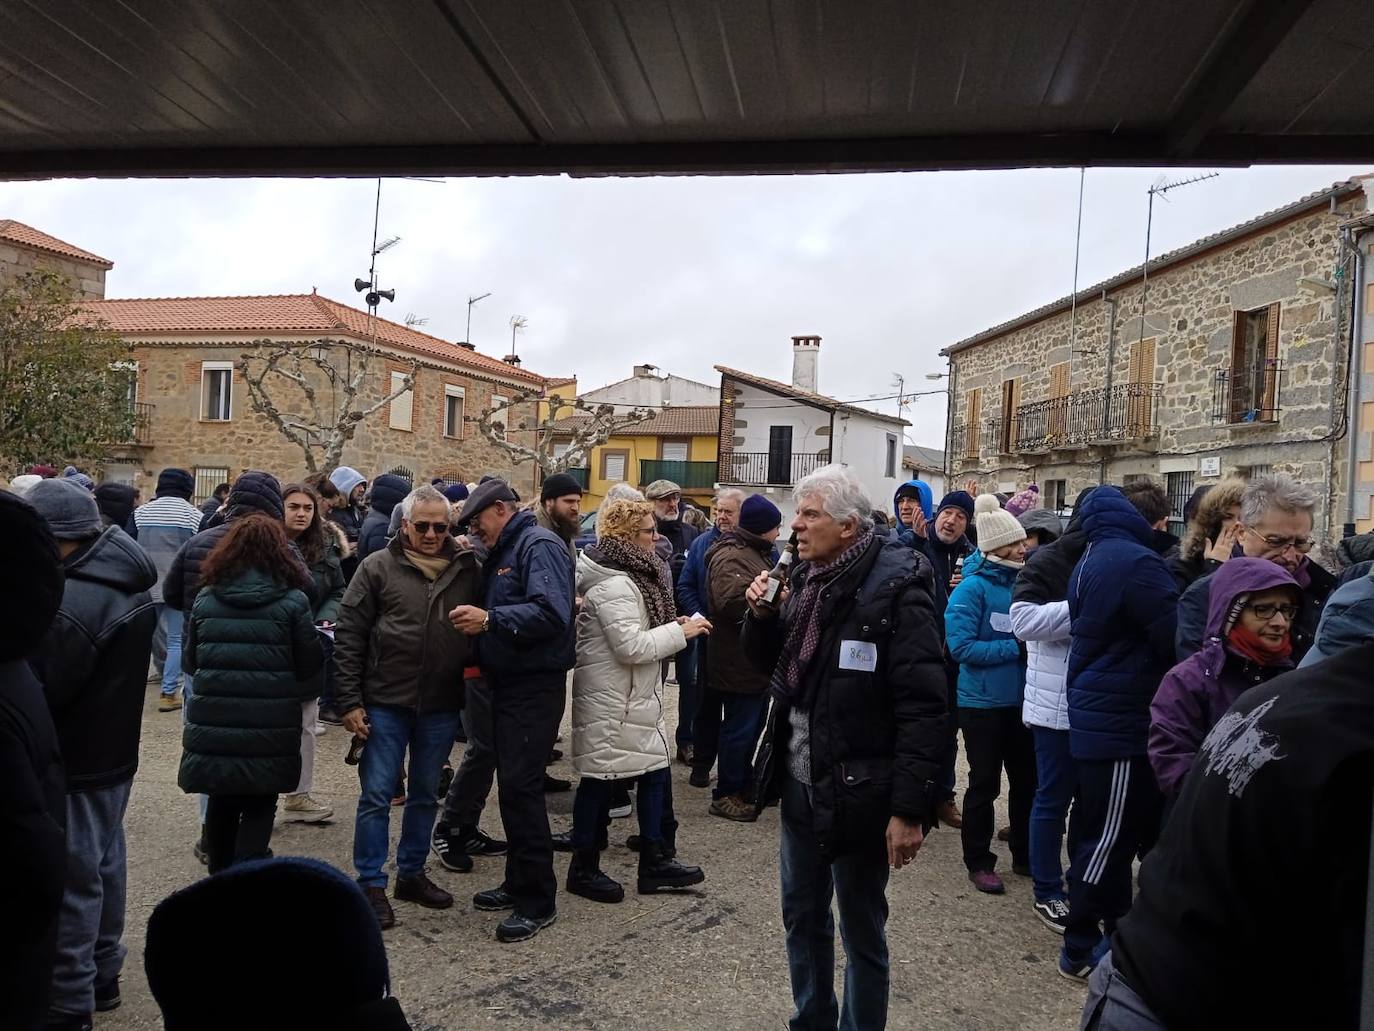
<point>1111,302</point>
<point>1355,396</point>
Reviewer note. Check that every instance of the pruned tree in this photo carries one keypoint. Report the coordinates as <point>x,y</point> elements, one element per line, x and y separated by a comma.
<point>598,423</point>
<point>63,395</point>
<point>310,393</point>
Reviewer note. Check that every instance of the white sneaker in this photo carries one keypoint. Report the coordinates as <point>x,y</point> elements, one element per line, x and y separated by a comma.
<point>304,809</point>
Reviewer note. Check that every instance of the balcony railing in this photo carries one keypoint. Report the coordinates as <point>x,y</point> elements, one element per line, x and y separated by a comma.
<point>1128,411</point>
<point>990,436</point>
<point>1248,395</point>
<point>687,475</point>
<point>139,429</point>
<point>963,443</point>
<point>760,467</point>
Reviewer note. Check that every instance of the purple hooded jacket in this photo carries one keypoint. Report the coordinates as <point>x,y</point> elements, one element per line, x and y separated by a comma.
<point>1196,693</point>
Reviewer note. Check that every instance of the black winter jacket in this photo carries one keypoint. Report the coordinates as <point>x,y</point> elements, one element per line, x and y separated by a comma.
<point>878,739</point>
<point>680,536</point>
<point>94,661</point>
<point>182,582</point>
<point>388,491</point>
<point>1045,577</point>
<point>253,649</point>
<point>528,589</point>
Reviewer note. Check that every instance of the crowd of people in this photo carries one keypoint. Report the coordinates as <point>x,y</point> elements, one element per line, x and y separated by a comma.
<point>1177,702</point>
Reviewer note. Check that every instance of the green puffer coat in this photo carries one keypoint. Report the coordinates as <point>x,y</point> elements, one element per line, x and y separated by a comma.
<point>254,652</point>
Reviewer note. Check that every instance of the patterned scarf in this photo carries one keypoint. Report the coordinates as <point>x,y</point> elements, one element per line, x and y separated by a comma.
<point>804,628</point>
<point>647,571</point>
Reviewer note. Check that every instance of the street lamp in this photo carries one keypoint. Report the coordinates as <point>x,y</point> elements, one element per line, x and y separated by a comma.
<point>937,375</point>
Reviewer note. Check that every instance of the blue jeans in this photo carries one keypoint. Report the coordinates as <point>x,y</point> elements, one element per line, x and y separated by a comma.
<point>170,620</point>
<point>91,920</point>
<point>188,690</point>
<point>858,880</point>
<point>591,807</point>
<point>688,694</point>
<point>429,736</point>
<point>739,732</point>
<point>1056,782</point>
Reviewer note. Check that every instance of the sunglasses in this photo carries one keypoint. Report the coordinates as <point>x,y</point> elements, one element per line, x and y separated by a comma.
<point>424,528</point>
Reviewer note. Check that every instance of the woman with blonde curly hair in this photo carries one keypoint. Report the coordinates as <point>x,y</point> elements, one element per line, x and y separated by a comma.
<point>1211,536</point>
<point>627,626</point>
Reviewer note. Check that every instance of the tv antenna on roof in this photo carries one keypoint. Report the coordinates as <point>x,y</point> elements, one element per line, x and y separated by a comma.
<point>1161,187</point>
<point>374,296</point>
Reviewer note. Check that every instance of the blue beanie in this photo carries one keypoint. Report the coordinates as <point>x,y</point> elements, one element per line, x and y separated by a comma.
<point>456,492</point>
<point>960,499</point>
<point>758,515</point>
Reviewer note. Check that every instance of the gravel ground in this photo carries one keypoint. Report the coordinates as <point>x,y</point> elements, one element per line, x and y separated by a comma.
<point>714,958</point>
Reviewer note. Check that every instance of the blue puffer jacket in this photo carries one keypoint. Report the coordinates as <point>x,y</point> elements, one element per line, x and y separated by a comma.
<point>388,491</point>
<point>691,585</point>
<point>1123,604</point>
<point>978,632</point>
<point>528,589</point>
<point>1348,620</point>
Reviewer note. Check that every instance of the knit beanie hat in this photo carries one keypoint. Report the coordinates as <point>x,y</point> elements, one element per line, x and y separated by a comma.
<point>189,964</point>
<point>758,515</point>
<point>1024,501</point>
<point>996,527</point>
<point>257,491</point>
<point>961,500</point>
<point>78,477</point>
<point>559,485</point>
<point>28,554</point>
<point>70,509</point>
<point>21,485</point>
<point>176,483</point>
<point>115,501</point>
<point>457,492</point>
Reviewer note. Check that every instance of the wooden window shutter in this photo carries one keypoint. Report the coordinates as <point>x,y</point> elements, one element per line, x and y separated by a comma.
<point>1059,380</point>
<point>1269,374</point>
<point>973,410</point>
<point>1271,340</point>
<point>1142,368</point>
<point>1237,341</point>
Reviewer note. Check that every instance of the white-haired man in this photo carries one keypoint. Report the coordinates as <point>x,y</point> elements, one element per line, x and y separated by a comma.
<point>400,688</point>
<point>855,738</point>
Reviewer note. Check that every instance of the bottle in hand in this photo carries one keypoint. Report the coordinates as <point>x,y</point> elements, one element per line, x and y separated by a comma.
<point>777,576</point>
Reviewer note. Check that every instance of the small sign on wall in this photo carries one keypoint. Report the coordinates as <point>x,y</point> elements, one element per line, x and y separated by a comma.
<point>1210,466</point>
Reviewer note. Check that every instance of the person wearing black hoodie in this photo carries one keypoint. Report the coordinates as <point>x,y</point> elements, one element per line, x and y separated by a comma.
<point>388,491</point>
<point>117,502</point>
<point>93,665</point>
<point>33,801</point>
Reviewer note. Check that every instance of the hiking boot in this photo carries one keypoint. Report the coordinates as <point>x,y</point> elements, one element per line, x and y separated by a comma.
<point>381,906</point>
<point>554,755</point>
<point>586,878</point>
<point>1054,914</point>
<point>553,785</point>
<point>659,873</point>
<point>449,849</point>
<point>684,754</point>
<point>492,901</point>
<point>700,778</point>
<point>732,807</point>
<point>422,891</point>
<point>634,840</point>
<point>169,702</point>
<point>949,815</point>
<point>563,842</point>
<point>107,996</point>
<point>987,882</point>
<point>475,843</point>
<point>304,809</point>
<point>517,927</point>
<point>199,849</point>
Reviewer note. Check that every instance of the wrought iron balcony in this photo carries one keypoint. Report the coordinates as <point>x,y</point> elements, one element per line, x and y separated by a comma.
<point>139,428</point>
<point>1248,395</point>
<point>962,445</point>
<point>764,469</point>
<point>1128,411</point>
<point>687,475</point>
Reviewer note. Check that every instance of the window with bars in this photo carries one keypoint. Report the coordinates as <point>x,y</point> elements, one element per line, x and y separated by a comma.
<point>1179,487</point>
<point>208,477</point>
<point>1055,494</point>
<point>1254,472</point>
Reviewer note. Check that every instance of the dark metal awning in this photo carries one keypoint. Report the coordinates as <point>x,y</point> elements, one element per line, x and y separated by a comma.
<point>588,87</point>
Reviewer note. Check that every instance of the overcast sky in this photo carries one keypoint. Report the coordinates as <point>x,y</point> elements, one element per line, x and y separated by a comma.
<point>683,273</point>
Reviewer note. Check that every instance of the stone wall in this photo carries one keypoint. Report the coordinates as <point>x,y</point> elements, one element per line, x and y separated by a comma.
<point>1190,318</point>
<point>170,380</point>
<point>15,260</point>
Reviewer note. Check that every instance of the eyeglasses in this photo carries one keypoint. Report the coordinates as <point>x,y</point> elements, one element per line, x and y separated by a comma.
<point>648,529</point>
<point>1276,545</point>
<point>1267,610</point>
<point>424,529</point>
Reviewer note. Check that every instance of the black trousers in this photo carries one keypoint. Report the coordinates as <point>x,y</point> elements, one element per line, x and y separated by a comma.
<point>238,828</point>
<point>525,717</point>
<point>472,780</point>
<point>994,739</point>
<point>710,713</point>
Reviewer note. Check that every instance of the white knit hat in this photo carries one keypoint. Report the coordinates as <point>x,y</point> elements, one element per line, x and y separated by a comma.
<point>996,527</point>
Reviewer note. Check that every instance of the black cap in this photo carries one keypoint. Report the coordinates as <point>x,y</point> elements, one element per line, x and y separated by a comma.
<point>488,493</point>
<point>560,485</point>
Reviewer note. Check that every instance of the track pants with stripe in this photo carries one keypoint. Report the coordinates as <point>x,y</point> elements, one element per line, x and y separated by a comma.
<point>1115,816</point>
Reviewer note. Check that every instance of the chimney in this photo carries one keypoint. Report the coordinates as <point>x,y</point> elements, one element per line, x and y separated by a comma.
<point>512,359</point>
<point>466,346</point>
<point>806,353</point>
<point>645,371</point>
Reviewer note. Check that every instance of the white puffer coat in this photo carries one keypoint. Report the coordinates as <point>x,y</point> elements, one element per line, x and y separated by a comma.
<point>617,715</point>
<point>1045,629</point>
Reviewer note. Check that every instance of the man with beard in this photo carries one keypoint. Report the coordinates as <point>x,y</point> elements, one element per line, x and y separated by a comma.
<point>560,509</point>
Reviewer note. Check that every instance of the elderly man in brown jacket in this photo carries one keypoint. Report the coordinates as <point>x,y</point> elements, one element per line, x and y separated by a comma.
<point>732,564</point>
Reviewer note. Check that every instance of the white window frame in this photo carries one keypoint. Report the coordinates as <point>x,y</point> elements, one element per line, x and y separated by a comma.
<point>561,448</point>
<point>686,446</point>
<point>401,405</point>
<point>205,369</point>
<point>496,401</point>
<point>452,390</point>
<point>624,464</point>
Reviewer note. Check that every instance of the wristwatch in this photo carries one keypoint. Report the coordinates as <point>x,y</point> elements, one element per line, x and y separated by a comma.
<point>486,623</point>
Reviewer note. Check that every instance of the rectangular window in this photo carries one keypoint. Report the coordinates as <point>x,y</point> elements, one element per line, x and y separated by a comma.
<point>1140,396</point>
<point>675,450</point>
<point>1254,472</point>
<point>973,410</point>
<point>613,465</point>
<point>560,449</point>
<point>1179,487</point>
<point>208,477</point>
<point>403,406</point>
<point>1055,493</point>
<point>216,391</point>
<point>1254,365</point>
<point>453,410</point>
<point>1011,399</point>
<point>500,416</point>
<point>891,464</point>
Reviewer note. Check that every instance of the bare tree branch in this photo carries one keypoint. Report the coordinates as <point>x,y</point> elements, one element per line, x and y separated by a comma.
<point>601,423</point>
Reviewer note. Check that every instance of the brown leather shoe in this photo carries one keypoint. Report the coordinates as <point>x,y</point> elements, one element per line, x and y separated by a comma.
<point>422,891</point>
<point>381,905</point>
<point>949,814</point>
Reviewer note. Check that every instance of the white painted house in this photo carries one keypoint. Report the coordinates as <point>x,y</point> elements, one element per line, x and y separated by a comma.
<point>772,433</point>
<point>651,387</point>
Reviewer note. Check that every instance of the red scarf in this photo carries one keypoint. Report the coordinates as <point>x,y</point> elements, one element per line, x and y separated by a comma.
<point>1249,645</point>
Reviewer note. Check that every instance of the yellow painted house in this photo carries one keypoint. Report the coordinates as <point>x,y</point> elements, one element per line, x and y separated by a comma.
<point>677,443</point>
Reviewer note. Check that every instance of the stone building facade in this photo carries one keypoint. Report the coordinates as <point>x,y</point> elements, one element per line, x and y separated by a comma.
<point>1241,365</point>
<point>24,248</point>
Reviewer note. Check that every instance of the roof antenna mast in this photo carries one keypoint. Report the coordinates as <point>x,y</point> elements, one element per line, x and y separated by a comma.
<point>1162,188</point>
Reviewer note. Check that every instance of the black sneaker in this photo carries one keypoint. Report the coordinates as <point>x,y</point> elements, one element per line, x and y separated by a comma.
<point>553,785</point>
<point>1054,914</point>
<point>517,927</point>
<point>493,901</point>
<point>700,778</point>
<point>472,841</point>
<point>107,996</point>
<point>451,854</point>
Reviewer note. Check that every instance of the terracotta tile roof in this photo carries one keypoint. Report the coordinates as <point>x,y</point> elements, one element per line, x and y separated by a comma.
<point>829,404</point>
<point>286,313</point>
<point>677,421</point>
<point>28,236</point>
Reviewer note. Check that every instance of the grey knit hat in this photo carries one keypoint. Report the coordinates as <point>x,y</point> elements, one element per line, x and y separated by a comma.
<point>69,509</point>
